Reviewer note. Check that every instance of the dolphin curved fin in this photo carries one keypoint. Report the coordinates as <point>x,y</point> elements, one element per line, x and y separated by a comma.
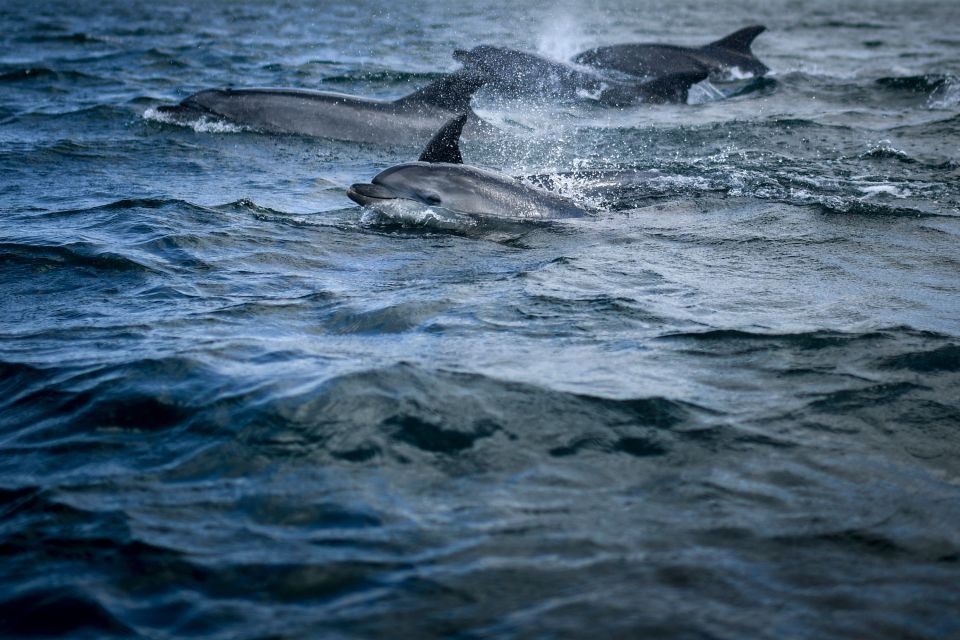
<point>444,146</point>
<point>741,40</point>
<point>451,92</point>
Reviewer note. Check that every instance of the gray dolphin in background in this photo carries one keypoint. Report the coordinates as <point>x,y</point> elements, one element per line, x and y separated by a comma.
<point>440,180</point>
<point>720,58</point>
<point>512,73</point>
<point>412,118</point>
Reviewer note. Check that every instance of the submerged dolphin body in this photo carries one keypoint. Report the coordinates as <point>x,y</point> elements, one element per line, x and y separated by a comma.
<point>720,58</point>
<point>440,180</point>
<point>412,118</point>
<point>511,73</point>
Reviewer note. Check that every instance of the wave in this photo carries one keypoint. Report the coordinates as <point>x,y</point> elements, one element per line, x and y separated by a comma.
<point>62,563</point>
<point>77,37</point>
<point>742,340</point>
<point>843,24</point>
<point>795,186</point>
<point>74,254</point>
<point>141,203</point>
<point>35,73</point>
<point>871,343</point>
<point>403,412</point>
<point>99,112</point>
<point>63,147</point>
<point>394,414</point>
<point>18,378</point>
<point>861,207</point>
<point>247,206</point>
<point>58,611</point>
<point>941,359</point>
<point>942,90</point>
<point>70,411</point>
<point>85,546</point>
<point>885,151</point>
<point>917,84</point>
<point>133,204</point>
<point>25,74</point>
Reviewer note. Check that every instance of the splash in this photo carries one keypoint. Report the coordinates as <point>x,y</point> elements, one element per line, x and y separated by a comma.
<point>735,73</point>
<point>573,185</point>
<point>703,92</point>
<point>562,35</point>
<point>882,190</point>
<point>945,96</point>
<point>410,214</point>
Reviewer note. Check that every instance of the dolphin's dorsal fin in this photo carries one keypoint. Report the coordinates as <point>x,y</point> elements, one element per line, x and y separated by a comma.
<point>451,92</point>
<point>444,146</point>
<point>675,86</point>
<point>740,41</point>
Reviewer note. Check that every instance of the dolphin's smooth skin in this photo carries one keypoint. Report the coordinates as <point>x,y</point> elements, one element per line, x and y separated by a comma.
<point>440,180</point>
<point>722,59</point>
<point>412,118</point>
<point>513,73</point>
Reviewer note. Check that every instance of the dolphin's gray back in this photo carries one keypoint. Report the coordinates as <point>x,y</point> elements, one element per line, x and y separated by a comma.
<point>645,60</point>
<point>321,114</point>
<point>510,71</point>
<point>642,60</point>
<point>518,73</point>
<point>468,189</point>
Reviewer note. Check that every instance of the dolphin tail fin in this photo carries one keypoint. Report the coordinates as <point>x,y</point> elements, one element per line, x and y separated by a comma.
<point>444,146</point>
<point>451,92</point>
<point>741,40</point>
<point>673,87</point>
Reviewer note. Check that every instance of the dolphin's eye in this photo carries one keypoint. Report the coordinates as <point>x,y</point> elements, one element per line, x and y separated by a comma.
<point>430,198</point>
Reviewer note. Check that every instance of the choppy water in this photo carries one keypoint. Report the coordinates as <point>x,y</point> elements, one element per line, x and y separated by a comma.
<point>237,406</point>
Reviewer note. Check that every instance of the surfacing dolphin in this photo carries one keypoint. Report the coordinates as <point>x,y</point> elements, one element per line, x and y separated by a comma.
<point>412,118</point>
<point>517,73</point>
<point>722,58</point>
<point>440,180</point>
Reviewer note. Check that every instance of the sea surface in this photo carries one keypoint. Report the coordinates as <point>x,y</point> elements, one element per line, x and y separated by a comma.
<point>233,404</point>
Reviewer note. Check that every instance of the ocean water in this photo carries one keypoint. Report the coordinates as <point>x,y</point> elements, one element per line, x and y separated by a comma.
<point>236,405</point>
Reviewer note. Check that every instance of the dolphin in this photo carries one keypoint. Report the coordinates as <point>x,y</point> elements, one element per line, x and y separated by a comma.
<point>512,73</point>
<point>720,58</point>
<point>412,118</point>
<point>440,180</point>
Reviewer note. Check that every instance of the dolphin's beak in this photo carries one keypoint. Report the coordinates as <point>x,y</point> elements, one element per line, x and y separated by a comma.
<point>364,193</point>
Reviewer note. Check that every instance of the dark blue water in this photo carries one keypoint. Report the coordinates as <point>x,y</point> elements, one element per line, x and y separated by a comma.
<point>235,405</point>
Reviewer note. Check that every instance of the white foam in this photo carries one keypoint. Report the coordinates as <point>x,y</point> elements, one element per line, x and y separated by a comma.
<point>736,73</point>
<point>884,189</point>
<point>202,124</point>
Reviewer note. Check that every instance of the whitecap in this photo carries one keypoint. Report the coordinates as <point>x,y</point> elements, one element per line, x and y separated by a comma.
<point>202,124</point>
